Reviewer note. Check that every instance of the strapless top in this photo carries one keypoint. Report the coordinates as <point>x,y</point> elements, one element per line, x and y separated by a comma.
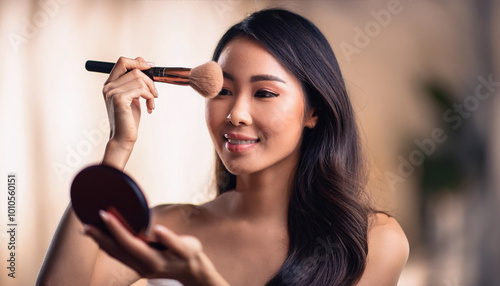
<point>163,282</point>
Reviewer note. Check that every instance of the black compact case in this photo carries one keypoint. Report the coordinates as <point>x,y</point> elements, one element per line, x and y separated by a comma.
<point>102,187</point>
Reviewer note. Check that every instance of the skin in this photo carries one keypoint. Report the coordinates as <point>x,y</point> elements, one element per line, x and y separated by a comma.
<point>239,238</point>
<point>263,172</point>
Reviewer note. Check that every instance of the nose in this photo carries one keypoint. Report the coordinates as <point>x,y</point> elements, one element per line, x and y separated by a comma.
<point>240,112</point>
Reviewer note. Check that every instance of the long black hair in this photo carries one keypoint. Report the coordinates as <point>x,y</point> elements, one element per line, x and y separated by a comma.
<point>328,209</point>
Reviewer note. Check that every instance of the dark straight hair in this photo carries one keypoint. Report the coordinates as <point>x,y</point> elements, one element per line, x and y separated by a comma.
<point>328,209</point>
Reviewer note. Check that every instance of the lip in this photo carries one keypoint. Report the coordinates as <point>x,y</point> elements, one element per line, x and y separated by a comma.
<point>238,136</point>
<point>238,148</point>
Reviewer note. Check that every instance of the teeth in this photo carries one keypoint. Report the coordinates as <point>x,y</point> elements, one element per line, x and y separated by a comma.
<point>233,141</point>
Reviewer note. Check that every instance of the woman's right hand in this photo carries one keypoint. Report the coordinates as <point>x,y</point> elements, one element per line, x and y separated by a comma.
<point>122,92</point>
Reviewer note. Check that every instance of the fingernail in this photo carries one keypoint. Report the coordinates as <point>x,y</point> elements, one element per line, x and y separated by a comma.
<point>154,105</point>
<point>163,229</point>
<point>150,64</point>
<point>103,215</point>
<point>156,91</point>
<point>160,228</point>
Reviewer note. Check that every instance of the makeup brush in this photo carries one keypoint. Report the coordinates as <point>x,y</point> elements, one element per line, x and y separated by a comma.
<point>205,79</point>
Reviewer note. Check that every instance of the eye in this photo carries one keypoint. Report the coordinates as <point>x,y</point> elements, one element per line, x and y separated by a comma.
<point>266,93</point>
<point>225,91</point>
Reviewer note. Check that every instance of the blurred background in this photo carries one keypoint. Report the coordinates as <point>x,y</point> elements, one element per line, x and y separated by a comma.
<point>424,78</point>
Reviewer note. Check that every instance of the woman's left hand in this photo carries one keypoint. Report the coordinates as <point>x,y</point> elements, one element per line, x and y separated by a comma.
<point>184,259</point>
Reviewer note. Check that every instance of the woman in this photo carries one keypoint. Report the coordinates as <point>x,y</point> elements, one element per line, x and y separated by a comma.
<point>291,207</point>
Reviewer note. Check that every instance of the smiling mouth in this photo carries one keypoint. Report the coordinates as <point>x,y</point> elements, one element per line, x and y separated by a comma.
<point>241,142</point>
<point>239,146</point>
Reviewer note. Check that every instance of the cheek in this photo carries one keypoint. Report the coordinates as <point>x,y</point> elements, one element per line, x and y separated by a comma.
<point>214,116</point>
<point>285,119</point>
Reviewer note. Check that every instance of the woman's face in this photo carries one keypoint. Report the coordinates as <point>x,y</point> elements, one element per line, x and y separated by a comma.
<point>257,120</point>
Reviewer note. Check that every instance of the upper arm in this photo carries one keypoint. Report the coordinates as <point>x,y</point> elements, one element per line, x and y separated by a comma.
<point>388,251</point>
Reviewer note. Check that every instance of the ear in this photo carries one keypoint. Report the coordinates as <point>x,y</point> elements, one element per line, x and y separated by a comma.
<point>311,118</point>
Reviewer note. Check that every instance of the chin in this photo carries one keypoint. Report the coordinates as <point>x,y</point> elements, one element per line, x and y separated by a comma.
<point>236,167</point>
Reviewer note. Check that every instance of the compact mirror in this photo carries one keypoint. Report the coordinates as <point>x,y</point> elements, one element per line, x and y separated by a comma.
<point>102,187</point>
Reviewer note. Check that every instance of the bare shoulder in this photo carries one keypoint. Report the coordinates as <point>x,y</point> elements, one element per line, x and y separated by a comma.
<point>388,251</point>
<point>175,216</point>
<point>385,231</point>
<point>164,210</point>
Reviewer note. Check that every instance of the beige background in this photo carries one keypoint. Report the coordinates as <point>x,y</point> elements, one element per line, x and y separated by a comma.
<point>53,119</point>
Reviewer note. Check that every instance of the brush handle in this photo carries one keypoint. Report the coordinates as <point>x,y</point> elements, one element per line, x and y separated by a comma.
<point>172,75</point>
<point>96,66</point>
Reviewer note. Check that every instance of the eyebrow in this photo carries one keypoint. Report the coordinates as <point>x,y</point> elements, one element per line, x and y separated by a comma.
<point>259,77</point>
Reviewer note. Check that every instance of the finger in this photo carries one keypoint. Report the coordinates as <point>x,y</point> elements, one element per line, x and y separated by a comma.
<point>144,259</point>
<point>125,238</point>
<point>140,90</point>
<point>133,75</point>
<point>124,99</point>
<point>184,246</point>
<point>125,64</point>
<point>141,59</point>
<point>147,79</point>
<point>111,248</point>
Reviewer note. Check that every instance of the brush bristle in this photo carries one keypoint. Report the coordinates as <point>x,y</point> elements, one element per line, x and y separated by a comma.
<point>207,79</point>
